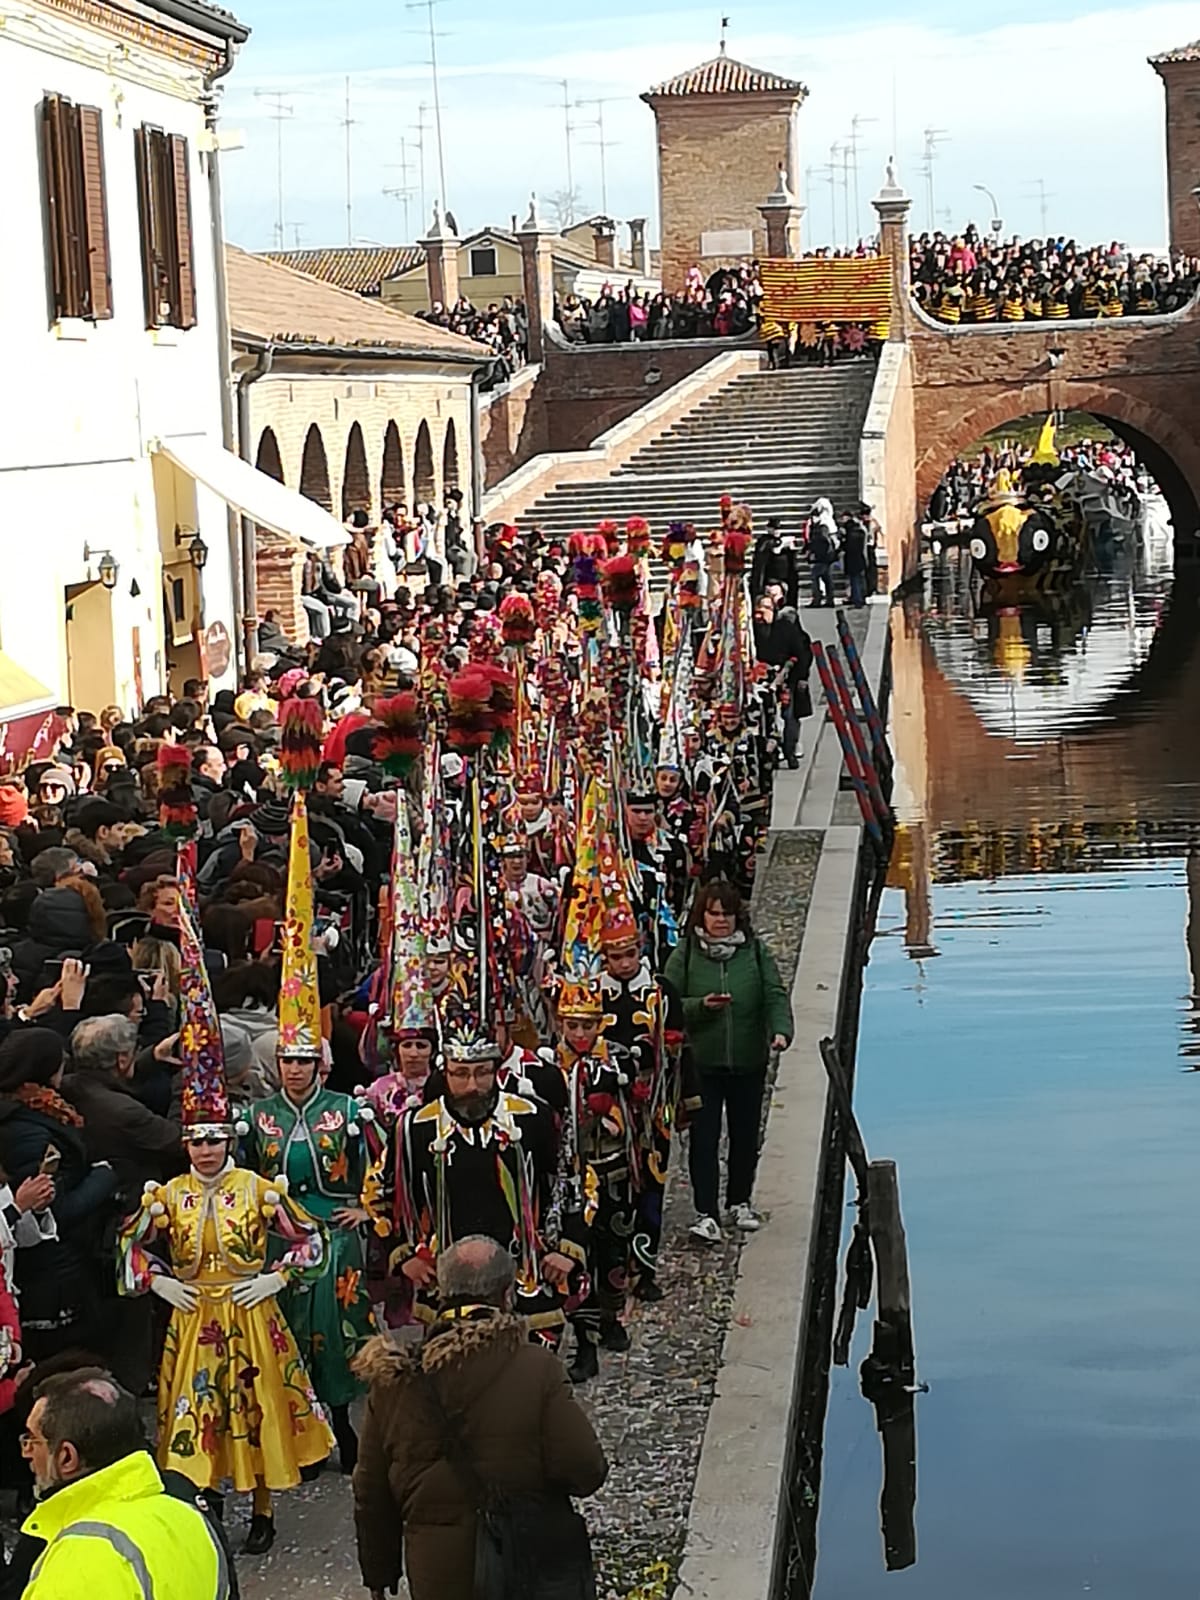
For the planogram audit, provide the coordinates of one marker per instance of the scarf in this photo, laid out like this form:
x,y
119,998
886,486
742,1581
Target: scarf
x,y
721,949
41,1097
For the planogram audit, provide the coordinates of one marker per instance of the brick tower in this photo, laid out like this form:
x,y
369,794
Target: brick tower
x,y
724,131
1180,73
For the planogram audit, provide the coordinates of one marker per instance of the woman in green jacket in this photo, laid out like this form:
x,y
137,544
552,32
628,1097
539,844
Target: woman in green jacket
x,y
736,1012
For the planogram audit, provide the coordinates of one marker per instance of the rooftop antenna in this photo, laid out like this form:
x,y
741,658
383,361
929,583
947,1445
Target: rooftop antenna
x,y
933,137
421,127
348,122
283,109
297,229
569,129
603,142
1043,195
428,7
830,170
853,146
402,191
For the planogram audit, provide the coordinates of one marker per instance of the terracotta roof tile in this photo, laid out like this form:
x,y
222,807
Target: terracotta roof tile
x,y
268,300
360,269
724,75
1185,52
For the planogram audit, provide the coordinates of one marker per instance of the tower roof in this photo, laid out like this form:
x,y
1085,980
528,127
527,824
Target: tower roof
x,y
724,75
1185,52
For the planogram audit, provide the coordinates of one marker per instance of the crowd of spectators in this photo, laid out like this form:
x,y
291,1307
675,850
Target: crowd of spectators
x,y
503,327
724,306
968,479
974,278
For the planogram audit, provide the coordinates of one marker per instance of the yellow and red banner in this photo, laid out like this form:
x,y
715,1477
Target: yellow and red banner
x,y
853,289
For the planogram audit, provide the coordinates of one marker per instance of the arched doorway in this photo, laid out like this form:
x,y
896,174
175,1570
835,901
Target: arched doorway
x,y
268,459
424,481
356,479
391,479
450,458
314,470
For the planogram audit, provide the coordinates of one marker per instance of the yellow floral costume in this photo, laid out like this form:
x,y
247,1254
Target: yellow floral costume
x,y
234,1397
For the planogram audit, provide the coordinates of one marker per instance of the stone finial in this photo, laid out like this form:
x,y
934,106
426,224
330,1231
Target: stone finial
x,y
781,195
892,191
533,222
439,228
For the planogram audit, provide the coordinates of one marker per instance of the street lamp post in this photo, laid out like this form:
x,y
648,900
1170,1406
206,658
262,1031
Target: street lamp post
x,y
997,220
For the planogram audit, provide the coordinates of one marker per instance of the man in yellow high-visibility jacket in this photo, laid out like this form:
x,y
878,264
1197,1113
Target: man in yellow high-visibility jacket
x,y
111,1529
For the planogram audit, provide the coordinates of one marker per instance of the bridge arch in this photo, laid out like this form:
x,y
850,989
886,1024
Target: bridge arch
x,y
1169,451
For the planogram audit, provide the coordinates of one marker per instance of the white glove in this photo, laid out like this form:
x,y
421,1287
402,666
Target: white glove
x,y
180,1295
253,1291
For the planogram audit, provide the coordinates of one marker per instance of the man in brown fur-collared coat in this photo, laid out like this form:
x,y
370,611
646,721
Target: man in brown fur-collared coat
x,y
510,1404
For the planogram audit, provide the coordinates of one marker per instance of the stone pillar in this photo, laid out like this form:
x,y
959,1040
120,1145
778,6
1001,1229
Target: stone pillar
x,y
537,271
604,233
781,215
637,246
441,262
892,206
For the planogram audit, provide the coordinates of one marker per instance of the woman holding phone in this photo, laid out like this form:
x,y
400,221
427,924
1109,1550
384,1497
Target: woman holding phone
x,y
737,1013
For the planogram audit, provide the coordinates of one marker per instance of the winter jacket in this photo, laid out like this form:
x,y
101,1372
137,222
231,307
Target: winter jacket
x,y
55,1277
737,1037
124,1132
520,1425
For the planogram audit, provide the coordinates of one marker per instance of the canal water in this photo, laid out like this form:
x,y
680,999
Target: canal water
x,y
1029,1055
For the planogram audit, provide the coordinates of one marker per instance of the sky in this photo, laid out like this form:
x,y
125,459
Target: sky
x,y
1055,101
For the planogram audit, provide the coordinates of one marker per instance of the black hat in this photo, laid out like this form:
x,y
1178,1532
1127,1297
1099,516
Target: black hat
x,y
774,522
641,800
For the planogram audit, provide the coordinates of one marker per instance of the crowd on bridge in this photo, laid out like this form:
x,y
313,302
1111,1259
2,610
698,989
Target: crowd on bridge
x,y
503,326
376,993
725,305
972,277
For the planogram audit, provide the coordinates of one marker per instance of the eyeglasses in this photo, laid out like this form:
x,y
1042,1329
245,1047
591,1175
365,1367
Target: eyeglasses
x,y
480,1074
28,1440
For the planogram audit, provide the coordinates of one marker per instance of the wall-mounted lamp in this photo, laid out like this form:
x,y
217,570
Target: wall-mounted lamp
x,y
198,553
110,569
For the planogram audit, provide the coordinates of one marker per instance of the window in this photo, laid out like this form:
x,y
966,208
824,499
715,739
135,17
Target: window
x,y
76,209
165,213
483,261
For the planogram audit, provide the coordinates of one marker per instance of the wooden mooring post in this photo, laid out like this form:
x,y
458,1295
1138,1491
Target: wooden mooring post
x,y
888,1373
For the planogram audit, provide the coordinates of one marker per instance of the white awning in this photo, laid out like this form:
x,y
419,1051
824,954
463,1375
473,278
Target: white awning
x,y
256,494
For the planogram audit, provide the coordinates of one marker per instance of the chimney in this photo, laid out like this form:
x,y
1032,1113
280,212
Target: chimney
x,y
604,232
514,223
637,246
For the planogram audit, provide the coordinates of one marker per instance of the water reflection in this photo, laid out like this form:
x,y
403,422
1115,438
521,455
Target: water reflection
x,y
1030,1000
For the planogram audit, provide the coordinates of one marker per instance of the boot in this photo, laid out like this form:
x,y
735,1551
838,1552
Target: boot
x,y
261,1536
615,1337
586,1363
649,1290
347,1439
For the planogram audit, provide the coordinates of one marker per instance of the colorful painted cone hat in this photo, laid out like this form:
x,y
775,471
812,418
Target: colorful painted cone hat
x,y
411,1007
205,1096
299,998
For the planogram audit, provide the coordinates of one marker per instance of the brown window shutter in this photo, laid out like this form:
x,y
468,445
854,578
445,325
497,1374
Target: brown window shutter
x,y
73,212
95,211
142,164
184,298
52,177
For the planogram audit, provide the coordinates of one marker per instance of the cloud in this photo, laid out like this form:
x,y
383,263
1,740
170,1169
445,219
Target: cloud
x,y
1069,102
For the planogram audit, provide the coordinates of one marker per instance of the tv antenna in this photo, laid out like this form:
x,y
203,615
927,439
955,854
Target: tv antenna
x,y
282,110
428,7
601,140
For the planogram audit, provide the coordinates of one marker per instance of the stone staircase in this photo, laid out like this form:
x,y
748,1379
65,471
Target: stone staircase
x,y
775,440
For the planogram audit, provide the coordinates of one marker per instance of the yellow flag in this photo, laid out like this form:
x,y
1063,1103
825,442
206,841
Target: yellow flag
x,y
1045,455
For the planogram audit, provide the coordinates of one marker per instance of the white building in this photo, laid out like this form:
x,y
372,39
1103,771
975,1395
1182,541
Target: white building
x,y
116,346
